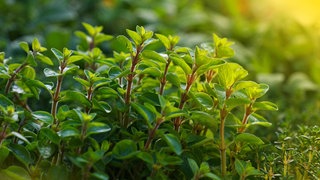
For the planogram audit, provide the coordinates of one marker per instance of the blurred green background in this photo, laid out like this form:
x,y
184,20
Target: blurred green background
x,y
277,47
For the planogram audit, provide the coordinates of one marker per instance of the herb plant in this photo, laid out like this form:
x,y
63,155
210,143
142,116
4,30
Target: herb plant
x,y
152,110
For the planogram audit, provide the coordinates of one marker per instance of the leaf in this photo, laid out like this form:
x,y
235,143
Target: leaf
x,y
265,105
50,73
47,150
25,46
181,62
205,119
153,71
256,119
58,54
146,157
124,149
230,73
173,142
5,102
252,89
153,55
245,169
20,136
4,152
36,45
101,38
236,102
43,116
164,40
134,36
193,165
75,97
44,59
203,99
126,42
57,172
73,59
68,131
82,81
148,115
97,127
101,105
50,134
28,72
21,153
14,173
247,138
90,29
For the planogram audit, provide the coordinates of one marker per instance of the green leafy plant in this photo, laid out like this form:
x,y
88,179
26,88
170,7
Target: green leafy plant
x,y
152,109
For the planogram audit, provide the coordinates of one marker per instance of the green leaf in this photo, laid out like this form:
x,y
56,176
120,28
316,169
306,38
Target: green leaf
x,y
44,59
101,105
90,29
205,119
36,45
58,54
153,71
70,68
101,38
164,40
146,157
47,150
193,166
181,62
126,42
247,138
124,149
252,89
73,59
25,46
245,169
57,172
230,73
256,119
20,136
146,113
173,142
5,102
134,36
43,116
201,57
236,102
97,127
28,72
82,82
50,73
75,97
49,134
21,153
4,152
265,105
68,131
153,55
173,79
14,173
203,99
222,47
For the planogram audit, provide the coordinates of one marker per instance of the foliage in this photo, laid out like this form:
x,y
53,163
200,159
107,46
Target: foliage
x,y
152,110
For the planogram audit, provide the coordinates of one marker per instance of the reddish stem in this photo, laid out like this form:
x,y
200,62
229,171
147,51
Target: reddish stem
x,y
13,77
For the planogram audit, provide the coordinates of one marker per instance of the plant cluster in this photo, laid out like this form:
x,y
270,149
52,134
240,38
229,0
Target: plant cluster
x,y
152,109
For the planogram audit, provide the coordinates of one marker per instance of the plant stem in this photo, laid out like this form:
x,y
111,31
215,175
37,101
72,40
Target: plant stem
x,y
223,115
248,111
13,77
152,133
89,97
135,60
163,80
184,97
3,133
55,98
223,156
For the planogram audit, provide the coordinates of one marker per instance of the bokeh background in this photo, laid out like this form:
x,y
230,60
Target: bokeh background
x,y
277,41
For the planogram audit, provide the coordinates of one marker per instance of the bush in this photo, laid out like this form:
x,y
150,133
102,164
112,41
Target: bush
x,y
152,110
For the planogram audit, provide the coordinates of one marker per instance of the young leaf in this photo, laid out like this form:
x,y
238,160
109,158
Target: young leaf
x,y
265,105
97,127
135,37
25,46
164,40
58,54
230,73
44,59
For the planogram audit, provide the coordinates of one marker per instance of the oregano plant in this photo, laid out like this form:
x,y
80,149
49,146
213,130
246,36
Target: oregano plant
x,y
149,110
